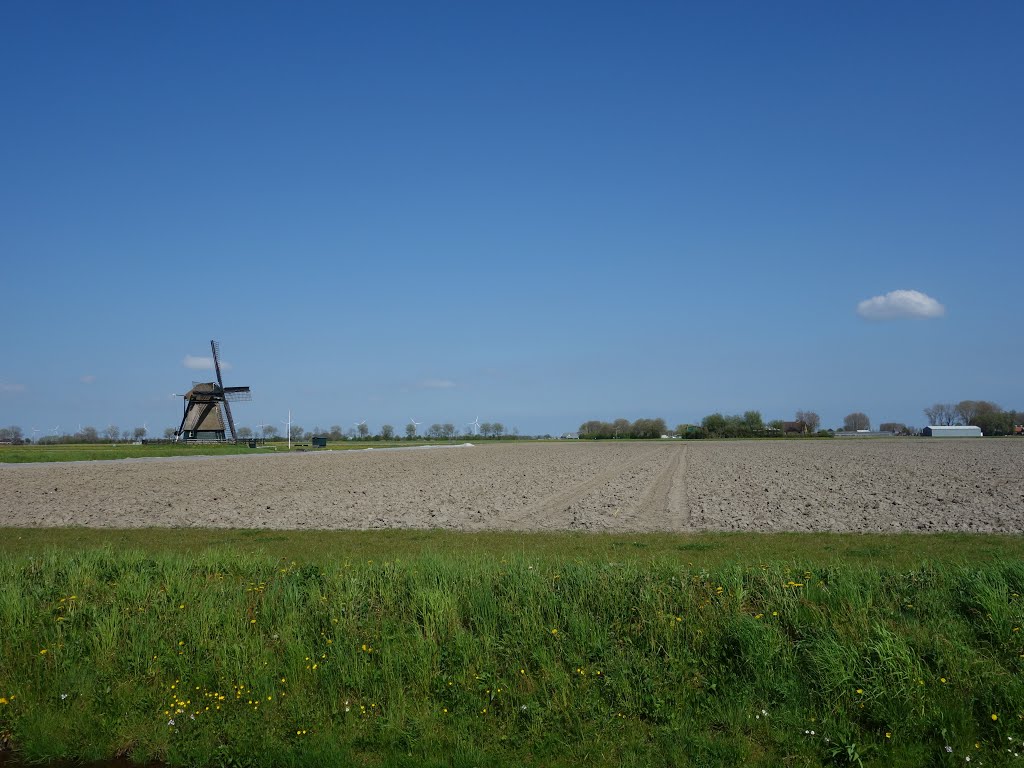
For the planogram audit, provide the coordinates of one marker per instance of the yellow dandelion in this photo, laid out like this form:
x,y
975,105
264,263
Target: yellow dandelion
x,y
888,735
43,652
860,690
554,631
995,716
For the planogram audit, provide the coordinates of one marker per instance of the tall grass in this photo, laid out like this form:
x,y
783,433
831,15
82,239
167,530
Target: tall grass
x,y
221,658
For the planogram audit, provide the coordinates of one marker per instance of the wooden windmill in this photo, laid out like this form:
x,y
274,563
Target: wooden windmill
x,y
207,407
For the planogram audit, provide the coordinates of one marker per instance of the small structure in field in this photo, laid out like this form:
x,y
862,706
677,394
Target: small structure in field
x,y
957,431
794,428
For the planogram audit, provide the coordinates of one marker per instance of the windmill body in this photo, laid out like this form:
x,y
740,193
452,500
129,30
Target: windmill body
x,y
207,409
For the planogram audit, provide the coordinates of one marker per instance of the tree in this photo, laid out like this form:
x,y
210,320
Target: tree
x,y
448,430
387,431
296,432
336,433
498,429
811,419
991,419
364,430
112,431
777,425
621,428
269,430
434,431
714,424
941,415
138,433
855,421
967,410
592,430
485,429
753,422
895,427
645,429
410,431
244,433
168,433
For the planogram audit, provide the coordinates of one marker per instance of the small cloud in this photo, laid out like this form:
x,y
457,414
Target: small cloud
x,y
9,387
436,384
88,379
896,304
199,363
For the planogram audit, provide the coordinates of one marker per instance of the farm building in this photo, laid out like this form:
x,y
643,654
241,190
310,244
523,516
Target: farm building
x,y
936,431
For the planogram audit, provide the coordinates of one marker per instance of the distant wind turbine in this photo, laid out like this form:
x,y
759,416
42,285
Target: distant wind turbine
x,y
289,423
475,425
415,425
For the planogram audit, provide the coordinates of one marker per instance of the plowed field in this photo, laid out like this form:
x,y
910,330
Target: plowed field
x,y
794,485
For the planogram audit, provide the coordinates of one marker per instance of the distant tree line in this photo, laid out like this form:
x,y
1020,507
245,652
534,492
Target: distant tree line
x,y
989,417
623,428
110,434
750,424
387,432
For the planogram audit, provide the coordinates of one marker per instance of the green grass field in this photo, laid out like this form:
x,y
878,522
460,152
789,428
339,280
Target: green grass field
x,y
236,648
17,454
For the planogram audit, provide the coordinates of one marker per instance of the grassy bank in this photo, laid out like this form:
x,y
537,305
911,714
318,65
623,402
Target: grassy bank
x,y
217,657
702,550
23,454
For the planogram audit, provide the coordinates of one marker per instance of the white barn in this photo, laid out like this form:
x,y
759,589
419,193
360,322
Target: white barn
x,y
936,431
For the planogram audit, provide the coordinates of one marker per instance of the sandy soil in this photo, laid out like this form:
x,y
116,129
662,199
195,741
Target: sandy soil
x,y
837,485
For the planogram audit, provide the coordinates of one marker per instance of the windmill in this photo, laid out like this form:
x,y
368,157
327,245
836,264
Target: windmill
x,y
359,424
207,404
415,425
474,426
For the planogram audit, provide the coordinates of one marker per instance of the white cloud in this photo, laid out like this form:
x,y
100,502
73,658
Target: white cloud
x,y
199,363
901,303
437,384
9,387
88,379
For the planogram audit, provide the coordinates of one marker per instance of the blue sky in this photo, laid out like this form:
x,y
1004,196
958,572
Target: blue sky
x,y
529,213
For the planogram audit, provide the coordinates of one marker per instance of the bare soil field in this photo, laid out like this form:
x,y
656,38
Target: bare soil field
x,y
794,485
